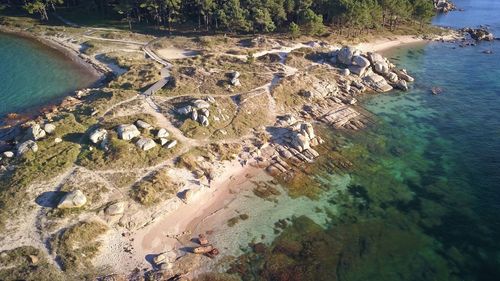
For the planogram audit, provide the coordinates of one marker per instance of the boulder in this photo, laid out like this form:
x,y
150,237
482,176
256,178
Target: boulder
x,y
235,82
26,146
345,72
402,85
143,125
35,132
162,133
203,120
165,258
210,99
199,104
392,77
194,115
58,140
98,135
8,154
73,199
115,209
381,68
128,132
235,74
377,83
346,54
402,74
360,61
185,110
145,144
376,58
171,144
300,142
308,129
49,128
205,112
163,141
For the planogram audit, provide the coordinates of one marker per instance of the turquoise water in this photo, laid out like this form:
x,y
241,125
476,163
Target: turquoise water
x,y
32,75
424,198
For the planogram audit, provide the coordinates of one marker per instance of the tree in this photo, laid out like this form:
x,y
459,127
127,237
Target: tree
x,y
294,30
124,7
313,22
423,11
40,7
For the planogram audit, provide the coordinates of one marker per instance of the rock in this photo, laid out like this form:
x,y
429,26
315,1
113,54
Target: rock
x,y
171,144
199,104
145,144
187,195
204,121
98,135
73,199
162,133
26,146
345,72
210,99
115,209
359,65
235,82
49,128
300,142
163,141
128,132
202,239
392,77
164,258
185,110
58,140
194,115
376,58
346,54
35,132
480,34
402,74
289,119
402,85
309,130
235,74
33,259
205,112
203,249
314,142
381,68
377,83
143,125
8,154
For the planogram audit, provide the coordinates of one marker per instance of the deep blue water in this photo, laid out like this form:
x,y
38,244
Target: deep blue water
x,y
32,74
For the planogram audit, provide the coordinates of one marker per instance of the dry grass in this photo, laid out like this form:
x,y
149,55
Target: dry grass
x,y
17,264
154,189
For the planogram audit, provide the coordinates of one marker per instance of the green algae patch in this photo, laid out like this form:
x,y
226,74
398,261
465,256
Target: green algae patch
x,y
27,263
77,245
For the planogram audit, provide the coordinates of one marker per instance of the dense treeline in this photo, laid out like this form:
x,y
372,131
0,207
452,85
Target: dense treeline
x,y
309,16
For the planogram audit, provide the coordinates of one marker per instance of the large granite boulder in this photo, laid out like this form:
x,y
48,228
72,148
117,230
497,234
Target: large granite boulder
x,y
26,146
8,154
145,144
49,128
162,133
359,65
402,74
194,115
402,85
199,104
377,83
203,120
73,199
128,132
346,54
35,132
98,135
143,125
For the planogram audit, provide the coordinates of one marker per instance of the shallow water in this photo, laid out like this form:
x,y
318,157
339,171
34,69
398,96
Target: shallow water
x,y
424,197
32,75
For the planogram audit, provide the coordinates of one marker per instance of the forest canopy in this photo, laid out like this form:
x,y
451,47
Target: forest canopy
x,y
242,16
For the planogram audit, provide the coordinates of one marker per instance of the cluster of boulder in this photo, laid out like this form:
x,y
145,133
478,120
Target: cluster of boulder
x,y
443,6
479,34
235,81
198,110
129,132
375,70
27,142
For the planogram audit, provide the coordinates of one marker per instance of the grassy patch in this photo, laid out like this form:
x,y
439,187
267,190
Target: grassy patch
x,y
154,189
77,246
27,263
233,221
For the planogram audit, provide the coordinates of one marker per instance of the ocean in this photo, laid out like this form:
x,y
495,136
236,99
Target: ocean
x,y
32,75
423,200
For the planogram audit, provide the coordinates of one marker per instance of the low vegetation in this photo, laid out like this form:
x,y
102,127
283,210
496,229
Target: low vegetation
x,y
27,263
154,189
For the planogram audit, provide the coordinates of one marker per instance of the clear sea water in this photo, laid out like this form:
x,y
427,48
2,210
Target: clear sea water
x,y
424,198
32,75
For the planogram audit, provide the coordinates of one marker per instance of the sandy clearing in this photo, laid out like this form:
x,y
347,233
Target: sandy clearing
x,y
173,53
384,44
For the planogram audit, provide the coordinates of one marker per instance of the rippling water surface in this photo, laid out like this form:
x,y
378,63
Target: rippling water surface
x,y
32,74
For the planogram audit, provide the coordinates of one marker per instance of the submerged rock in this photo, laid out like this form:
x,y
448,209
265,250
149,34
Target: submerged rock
x,y
73,199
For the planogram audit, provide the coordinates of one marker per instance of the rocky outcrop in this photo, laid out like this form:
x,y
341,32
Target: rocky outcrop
x,y
98,135
198,110
443,6
73,199
26,146
145,144
479,34
128,132
377,83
